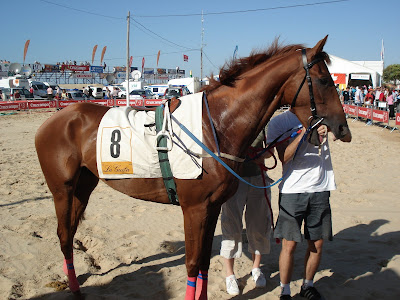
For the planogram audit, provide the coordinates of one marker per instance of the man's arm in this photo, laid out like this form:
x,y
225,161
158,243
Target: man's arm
x,y
286,150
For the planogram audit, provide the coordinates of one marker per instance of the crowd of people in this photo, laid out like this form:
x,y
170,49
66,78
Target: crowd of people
x,y
380,97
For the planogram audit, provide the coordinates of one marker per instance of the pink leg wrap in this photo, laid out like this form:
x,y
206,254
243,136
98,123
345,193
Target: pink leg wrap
x,y
190,288
69,270
202,281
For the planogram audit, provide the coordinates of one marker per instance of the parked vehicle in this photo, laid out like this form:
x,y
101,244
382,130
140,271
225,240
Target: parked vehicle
x,y
15,94
141,94
39,88
97,92
176,91
157,89
14,82
120,88
75,95
192,83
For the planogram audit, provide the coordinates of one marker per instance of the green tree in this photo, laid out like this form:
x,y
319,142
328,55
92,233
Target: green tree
x,y
391,73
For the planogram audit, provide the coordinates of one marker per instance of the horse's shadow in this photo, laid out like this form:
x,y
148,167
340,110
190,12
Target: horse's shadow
x,y
356,262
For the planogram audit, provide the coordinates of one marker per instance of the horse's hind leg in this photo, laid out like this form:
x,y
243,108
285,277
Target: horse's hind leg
x,y
71,199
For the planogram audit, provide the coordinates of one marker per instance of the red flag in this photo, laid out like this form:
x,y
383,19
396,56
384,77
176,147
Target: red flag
x,y
185,57
26,48
158,57
102,54
130,61
94,53
142,64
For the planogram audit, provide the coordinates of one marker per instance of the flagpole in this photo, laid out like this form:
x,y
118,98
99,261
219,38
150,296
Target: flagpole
x,y
127,59
201,51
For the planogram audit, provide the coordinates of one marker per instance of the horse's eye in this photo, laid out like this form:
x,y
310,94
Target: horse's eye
x,y
323,81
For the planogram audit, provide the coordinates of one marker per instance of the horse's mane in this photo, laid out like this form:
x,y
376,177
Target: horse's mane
x,y
231,71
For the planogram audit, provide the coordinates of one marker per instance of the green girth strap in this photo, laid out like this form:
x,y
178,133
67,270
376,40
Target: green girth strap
x,y
164,161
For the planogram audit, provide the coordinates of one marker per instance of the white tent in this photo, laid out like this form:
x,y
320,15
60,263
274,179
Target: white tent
x,y
356,71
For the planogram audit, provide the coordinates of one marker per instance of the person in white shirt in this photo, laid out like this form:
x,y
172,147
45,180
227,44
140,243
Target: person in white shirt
x,y
304,195
358,96
49,93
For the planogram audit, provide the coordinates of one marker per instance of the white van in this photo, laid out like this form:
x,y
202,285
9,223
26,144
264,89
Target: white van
x,y
157,89
97,92
14,82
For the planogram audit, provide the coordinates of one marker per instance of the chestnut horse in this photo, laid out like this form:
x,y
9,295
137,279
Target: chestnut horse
x,y
250,90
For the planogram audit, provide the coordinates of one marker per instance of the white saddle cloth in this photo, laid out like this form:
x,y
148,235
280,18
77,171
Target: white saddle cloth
x,y
126,137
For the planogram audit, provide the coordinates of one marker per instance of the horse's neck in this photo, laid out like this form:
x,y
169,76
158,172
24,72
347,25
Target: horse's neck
x,y
249,105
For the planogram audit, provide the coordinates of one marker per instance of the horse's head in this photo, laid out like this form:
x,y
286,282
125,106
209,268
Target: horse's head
x,y
315,100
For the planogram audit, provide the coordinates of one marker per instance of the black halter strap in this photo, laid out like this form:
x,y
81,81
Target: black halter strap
x,y
307,66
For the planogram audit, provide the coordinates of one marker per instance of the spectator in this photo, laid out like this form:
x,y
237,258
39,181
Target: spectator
x,y
31,92
114,93
358,96
17,95
64,95
108,93
49,93
346,95
86,93
369,98
390,102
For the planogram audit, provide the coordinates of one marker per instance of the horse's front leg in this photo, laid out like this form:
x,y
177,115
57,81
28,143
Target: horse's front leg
x,y
199,222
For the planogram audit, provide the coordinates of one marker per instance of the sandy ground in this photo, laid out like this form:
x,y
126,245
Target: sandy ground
x,y
131,249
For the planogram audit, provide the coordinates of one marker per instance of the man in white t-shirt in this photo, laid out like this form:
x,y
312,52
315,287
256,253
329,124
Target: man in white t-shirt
x,y
358,96
304,194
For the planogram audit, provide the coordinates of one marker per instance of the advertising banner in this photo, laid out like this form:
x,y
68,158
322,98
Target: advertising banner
x,y
380,115
397,118
352,110
75,68
83,76
96,69
42,104
364,112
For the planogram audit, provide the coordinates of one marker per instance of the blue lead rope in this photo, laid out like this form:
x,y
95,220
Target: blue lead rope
x,y
204,147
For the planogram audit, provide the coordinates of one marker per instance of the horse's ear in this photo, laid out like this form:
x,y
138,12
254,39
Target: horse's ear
x,y
320,45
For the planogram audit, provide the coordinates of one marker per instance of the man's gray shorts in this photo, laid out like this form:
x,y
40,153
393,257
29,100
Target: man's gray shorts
x,y
313,208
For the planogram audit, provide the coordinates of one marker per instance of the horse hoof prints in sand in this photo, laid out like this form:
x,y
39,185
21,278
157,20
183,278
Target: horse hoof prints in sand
x,y
250,90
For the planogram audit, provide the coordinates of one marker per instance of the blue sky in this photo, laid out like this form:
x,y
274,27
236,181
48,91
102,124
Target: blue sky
x,y
61,30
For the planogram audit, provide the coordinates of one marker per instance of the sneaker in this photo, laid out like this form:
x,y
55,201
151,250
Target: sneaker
x,y
258,278
232,287
285,297
310,293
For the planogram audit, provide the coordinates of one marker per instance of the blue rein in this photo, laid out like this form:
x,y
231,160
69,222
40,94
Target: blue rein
x,y
204,147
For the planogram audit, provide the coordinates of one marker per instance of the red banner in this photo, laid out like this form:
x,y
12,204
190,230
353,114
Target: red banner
x,y
380,115
397,118
9,106
364,112
350,109
42,104
75,68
